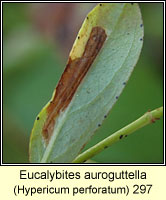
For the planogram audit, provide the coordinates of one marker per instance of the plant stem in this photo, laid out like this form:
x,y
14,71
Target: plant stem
x,y
148,118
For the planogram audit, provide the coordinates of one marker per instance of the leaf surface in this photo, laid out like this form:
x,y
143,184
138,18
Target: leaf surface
x,y
103,56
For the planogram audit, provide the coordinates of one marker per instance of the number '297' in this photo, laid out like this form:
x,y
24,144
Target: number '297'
x,y
142,189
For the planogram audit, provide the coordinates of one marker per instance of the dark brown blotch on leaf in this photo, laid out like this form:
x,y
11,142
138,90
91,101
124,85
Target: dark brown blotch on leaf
x,y
71,78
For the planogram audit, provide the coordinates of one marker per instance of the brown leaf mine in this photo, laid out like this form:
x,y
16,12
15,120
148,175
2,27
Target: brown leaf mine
x,y
71,78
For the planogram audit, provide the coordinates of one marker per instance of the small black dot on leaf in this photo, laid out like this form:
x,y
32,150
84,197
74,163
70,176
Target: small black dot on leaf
x,y
121,136
100,4
141,39
141,25
117,97
38,118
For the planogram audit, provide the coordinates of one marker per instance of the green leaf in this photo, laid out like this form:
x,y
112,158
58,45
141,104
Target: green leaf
x,y
105,52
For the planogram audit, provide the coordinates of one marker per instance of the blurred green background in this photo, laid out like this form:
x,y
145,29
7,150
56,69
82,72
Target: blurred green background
x,y
37,38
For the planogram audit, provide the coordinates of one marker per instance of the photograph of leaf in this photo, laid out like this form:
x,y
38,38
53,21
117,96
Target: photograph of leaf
x,y
87,118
